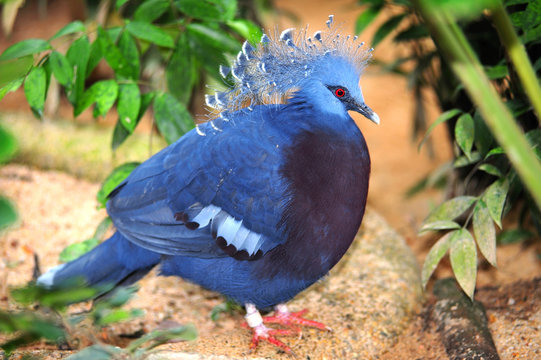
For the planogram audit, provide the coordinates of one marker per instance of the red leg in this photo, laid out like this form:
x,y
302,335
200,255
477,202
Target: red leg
x,y
283,317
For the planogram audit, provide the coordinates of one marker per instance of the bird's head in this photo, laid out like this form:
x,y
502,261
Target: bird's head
x,y
324,69
334,88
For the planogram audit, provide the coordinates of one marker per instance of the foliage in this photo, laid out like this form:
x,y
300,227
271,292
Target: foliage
x,y
8,147
51,323
491,179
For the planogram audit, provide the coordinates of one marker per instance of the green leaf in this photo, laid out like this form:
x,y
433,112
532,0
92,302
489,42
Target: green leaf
x,y
213,10
496,151
490,169
180,71
150,33
117,176
439,225
214,38
450,209
120,134
15,69
247,29
484,231
119,3
146,99
8,145
448,115
494,197
434,256
103,93
78,55
100,351
95,56
513,236
24,48
128,49
8,214
75,250
496,72
366,18
465,161
118,315
387,27
150,10
172,117
35,89
464,133
129,102
61,68
463,256
464,10
414,32
186,333
118,297
113,56
71,28
10,87
484,139
102,228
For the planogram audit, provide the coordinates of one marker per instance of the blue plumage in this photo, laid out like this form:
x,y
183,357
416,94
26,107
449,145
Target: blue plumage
x,y
260,202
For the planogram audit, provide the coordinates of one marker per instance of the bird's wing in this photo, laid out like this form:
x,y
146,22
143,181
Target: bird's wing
x,y
208,195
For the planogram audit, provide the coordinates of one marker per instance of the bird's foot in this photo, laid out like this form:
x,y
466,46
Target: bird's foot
x,y
294,320
261,332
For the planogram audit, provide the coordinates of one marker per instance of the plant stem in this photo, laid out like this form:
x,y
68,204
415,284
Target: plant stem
x,y
458,53
518,56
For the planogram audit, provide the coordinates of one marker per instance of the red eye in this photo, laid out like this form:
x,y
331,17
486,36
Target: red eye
x,y
339,92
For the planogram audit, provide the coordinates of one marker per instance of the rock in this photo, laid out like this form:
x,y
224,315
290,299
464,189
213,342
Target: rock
x,y
368,299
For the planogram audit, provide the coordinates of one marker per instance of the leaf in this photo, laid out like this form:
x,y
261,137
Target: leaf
x,y
172,117
119,3
386,28
435,255
484,231
113,56
94,57
484,139
8,145
71,28
247,29
463,256
490,169
180,71
96,352
10,87
496,151
448,115
213,10
129,102
24,48
103,93
35,88
61,68
120,134
186,333
494,197
15,69
102,228
464,133
117,176
214,38
130,52
75,250
450,209
367,17
513,236
414,32
150,33
439,225
496,72
150,10
463,10
118,315
8,214
465,161
78,55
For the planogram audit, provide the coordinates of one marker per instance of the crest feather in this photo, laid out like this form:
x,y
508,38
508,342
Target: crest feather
x,y
278,65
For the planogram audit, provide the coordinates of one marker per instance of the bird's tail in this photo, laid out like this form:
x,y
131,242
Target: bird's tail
x,y
115,262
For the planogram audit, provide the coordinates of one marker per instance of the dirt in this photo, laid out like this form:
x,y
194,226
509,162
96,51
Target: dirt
x,y
510,293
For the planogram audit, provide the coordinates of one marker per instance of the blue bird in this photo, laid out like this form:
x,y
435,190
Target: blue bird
x,y
261,201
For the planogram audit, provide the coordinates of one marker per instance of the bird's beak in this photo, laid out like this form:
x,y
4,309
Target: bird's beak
x,y
367,113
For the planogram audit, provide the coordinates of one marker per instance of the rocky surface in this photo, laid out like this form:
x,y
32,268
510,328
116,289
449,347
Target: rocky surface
x,y
368,299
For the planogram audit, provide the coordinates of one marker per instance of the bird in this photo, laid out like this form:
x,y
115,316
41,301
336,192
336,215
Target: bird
x,y
261,200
